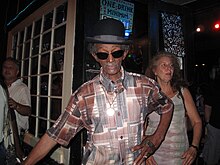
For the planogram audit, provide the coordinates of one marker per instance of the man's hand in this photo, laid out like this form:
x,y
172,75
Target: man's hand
x,y
12,104
150,161
24,110
147,148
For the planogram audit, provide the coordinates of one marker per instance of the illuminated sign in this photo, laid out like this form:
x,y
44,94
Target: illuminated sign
x,y
120,10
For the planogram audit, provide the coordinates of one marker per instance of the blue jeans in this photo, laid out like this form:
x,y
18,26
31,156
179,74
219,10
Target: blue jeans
x,y
2,153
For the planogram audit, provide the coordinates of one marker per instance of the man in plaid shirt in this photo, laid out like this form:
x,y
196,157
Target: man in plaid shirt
x,y
113,107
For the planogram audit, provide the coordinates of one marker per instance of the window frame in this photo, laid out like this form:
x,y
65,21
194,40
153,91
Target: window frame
x,y
61,154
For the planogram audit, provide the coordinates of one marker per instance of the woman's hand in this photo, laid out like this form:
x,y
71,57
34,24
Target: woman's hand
x,y
189,156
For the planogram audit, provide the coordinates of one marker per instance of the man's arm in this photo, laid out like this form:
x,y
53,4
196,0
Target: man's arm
x,y
166,112
40,150
151,142
21,109
160,133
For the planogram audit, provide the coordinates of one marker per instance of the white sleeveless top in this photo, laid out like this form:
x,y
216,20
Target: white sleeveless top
x,y
176,140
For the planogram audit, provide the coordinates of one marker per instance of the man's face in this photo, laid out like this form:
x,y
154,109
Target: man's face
x,y
110,62
9,70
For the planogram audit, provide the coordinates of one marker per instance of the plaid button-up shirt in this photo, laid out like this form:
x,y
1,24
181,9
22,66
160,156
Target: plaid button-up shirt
x,y
113,114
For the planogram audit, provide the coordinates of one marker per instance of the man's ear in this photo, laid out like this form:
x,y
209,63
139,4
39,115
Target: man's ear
x,y
154,72
17,72
95,57
125,54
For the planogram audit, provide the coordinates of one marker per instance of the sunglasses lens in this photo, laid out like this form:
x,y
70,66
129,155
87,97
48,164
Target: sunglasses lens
x,y
104,56
118,54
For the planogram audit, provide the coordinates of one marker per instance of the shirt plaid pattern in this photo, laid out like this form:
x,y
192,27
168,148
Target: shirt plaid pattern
x,y
110,137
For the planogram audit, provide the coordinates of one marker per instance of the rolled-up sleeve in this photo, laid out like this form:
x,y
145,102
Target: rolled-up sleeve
x,y
67,125
158,101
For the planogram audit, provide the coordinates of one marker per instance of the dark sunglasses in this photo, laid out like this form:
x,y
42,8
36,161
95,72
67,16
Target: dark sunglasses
x,y
104,56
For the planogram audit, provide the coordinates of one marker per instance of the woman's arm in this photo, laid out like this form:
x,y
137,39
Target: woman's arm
x,y
193,116
208,111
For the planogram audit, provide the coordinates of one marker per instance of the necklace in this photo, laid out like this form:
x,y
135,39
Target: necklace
x,y
110,111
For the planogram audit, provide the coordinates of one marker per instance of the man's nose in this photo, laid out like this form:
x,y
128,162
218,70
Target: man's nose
x,y
110,57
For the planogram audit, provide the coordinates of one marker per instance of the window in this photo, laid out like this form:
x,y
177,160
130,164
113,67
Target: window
x,y
40,48
39,43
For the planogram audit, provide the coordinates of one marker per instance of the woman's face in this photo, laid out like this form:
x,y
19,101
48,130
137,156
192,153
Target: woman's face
x,y
164,70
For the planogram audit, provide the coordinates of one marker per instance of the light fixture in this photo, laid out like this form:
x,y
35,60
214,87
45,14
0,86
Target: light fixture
x,y
200,28
217,26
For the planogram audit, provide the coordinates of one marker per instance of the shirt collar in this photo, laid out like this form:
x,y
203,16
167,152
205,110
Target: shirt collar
x,y
111,86
18,81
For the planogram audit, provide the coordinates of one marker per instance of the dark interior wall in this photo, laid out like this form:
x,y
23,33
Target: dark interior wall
x,y
140,32
153,27
189,44
7,12
91,17
205,43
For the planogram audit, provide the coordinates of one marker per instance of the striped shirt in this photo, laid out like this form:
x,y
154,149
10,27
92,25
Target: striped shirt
x,y
3,111
113,114
20,93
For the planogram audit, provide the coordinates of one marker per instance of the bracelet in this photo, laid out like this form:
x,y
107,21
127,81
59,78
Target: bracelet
x,y
197,149
151,145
